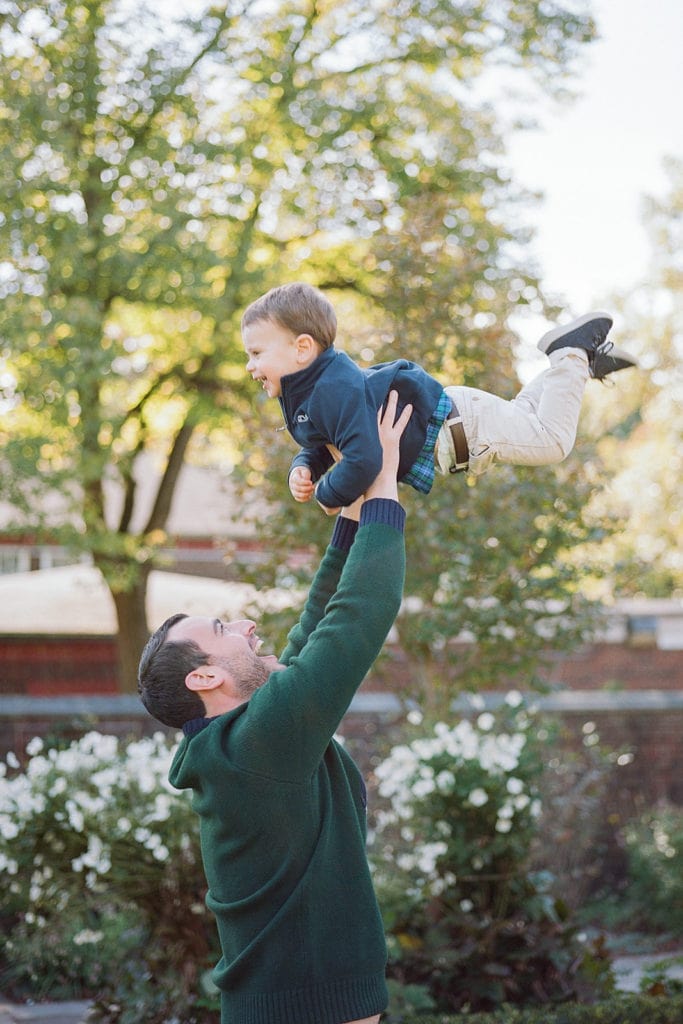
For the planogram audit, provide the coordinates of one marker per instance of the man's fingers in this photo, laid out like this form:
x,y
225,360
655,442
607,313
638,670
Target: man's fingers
x,y
402,421
388,412
387,418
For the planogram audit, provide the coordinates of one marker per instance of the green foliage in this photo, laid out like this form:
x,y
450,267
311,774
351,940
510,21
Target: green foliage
x,y
468,919
621,1009
651,895
583,804
104,886
659,979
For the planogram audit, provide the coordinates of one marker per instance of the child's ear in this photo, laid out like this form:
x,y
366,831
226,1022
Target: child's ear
x,y
307,348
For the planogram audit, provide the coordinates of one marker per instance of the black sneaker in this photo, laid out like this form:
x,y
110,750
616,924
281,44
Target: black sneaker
x,y
587,332
608,359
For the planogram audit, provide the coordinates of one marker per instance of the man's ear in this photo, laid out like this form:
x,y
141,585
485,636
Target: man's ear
x,y
307,348
206,677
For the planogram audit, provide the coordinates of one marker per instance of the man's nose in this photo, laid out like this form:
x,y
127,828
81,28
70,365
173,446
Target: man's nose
x,y
245,627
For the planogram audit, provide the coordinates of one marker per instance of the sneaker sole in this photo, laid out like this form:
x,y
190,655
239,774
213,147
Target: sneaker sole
x,y
559,332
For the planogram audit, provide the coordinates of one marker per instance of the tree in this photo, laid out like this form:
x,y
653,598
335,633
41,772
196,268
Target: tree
x,y
643,435
158,174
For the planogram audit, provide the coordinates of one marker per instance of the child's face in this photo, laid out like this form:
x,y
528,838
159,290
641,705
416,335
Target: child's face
x,y
272,353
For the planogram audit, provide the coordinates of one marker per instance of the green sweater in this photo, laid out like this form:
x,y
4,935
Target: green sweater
x,y
282,805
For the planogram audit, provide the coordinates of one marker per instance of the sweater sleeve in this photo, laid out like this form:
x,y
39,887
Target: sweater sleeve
x,y
292,718
323,587
318,460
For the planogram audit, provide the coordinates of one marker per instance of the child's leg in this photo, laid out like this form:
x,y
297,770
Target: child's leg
x,y
536,428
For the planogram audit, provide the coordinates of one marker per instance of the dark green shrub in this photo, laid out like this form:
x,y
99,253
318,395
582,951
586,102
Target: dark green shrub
x,y
623,1009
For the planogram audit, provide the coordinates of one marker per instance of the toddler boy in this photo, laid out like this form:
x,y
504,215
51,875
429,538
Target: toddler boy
x,y
330,404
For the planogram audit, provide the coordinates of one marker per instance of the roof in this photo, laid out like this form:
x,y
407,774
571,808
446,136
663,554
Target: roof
x,y
74,600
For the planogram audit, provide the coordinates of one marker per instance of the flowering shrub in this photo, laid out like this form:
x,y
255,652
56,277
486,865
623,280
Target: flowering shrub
x,y
103,888
466,917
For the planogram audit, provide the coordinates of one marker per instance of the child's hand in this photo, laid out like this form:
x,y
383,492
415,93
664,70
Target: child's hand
x,y
300,483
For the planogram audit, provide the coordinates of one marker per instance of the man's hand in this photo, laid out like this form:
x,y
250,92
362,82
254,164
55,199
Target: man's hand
x,y
300,483
390,431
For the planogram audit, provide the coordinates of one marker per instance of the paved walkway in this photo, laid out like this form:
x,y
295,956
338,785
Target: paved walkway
x,y
43,1013
628,971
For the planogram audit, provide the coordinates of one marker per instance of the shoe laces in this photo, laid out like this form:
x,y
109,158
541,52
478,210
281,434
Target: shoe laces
x,y
603,349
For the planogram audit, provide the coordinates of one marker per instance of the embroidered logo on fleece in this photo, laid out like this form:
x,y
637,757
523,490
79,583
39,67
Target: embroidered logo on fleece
x,y
302,418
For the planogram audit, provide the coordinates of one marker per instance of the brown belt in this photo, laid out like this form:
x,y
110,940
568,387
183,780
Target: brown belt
x,y
462,452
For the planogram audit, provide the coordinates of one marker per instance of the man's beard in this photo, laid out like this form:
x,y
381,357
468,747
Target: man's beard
x,y
249,673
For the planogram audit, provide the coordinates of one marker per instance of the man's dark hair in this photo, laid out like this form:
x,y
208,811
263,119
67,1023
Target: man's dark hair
x,y
161,676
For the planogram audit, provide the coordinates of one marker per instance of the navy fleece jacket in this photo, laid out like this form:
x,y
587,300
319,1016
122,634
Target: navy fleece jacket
x,y
334,401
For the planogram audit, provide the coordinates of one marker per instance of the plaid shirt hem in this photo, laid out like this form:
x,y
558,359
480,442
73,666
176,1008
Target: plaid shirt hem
x,y
421,473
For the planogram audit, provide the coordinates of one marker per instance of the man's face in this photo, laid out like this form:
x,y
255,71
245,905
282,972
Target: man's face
x,y
271,354
233,645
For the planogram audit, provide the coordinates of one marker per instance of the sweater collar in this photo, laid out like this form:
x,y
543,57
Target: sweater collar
x,y
194,726
295,385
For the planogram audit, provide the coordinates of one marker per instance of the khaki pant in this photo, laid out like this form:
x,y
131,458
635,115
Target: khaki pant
x,y
536,428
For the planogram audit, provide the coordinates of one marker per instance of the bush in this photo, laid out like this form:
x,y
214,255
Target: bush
x,y
654,850
104,886
647,894
617,1010
467,920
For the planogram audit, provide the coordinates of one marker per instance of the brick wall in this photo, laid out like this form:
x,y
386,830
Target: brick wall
x,y
646,717
45,665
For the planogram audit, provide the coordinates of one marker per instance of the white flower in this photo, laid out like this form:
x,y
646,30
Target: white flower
x,y
12,759
466,906
513,698
414,717
10,866
503,825
478,797
514,786
427,856
476,701
87,937
486,721
445,781
406,861
423,787
34,746
8,828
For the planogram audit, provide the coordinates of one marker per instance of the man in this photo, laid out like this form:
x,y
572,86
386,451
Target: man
x,y
281,804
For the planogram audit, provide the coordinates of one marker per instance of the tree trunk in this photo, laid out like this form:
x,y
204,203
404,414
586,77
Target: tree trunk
x,y
132,632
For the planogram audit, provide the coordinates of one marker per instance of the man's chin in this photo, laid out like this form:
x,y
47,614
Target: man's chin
x,y
271,662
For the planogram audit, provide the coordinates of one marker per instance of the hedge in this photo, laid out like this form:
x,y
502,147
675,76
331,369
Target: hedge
x,y
621,1009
